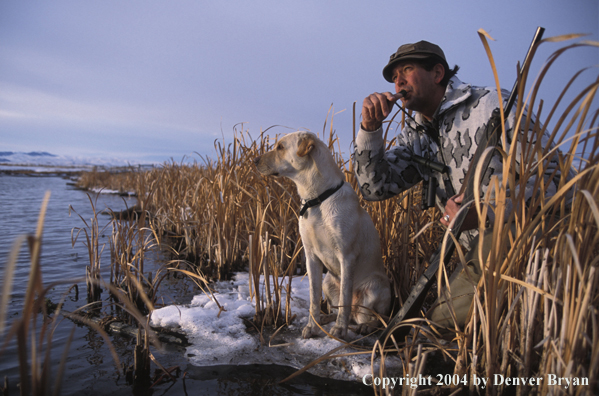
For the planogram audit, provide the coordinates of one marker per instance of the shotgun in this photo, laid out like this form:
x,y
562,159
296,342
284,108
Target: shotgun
x,y
490,138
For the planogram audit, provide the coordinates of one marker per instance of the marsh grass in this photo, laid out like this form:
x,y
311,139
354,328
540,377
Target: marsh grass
x,y
536,307
120,179
132,292
91,232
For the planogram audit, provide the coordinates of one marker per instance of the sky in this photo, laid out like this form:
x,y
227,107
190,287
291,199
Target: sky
x,y
154,81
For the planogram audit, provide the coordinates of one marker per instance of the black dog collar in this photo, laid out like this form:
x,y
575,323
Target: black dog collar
x,y
320,199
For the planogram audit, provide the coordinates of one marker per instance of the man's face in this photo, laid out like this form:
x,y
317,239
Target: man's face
x,y
421,86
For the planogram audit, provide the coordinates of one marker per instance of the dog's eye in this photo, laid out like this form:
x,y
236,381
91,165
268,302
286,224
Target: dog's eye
x,y
280,146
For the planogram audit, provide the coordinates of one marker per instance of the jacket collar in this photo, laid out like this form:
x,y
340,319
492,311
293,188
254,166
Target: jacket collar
x,y
455,93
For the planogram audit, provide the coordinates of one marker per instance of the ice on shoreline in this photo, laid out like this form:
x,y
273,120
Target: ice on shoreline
x,y
218,339
97,190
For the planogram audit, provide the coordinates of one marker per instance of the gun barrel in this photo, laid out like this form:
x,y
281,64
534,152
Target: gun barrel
x,y
436,166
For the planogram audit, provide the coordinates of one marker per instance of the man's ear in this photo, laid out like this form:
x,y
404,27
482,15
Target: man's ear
x,y
305,146
439,73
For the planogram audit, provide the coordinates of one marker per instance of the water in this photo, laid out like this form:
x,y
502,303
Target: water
x,y
90,369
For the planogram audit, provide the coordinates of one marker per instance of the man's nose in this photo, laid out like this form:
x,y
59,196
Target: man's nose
x,y
399,84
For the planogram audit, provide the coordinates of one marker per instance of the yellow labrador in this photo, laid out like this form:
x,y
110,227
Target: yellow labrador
x,y
336,232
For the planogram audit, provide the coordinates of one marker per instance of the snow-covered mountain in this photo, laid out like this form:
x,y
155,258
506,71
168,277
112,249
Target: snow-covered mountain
x,y
42,158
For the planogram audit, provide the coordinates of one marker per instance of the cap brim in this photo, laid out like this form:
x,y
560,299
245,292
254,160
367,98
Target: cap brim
x,y
388,70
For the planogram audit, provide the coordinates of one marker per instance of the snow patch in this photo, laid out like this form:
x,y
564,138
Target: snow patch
x,y
219,337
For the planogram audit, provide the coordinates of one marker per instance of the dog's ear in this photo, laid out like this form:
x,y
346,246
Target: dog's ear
x,y
305,146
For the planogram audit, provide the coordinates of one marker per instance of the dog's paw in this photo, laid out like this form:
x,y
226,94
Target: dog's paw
x,y
339,332
310,331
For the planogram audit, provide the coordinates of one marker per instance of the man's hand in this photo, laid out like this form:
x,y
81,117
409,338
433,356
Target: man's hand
x,y
451,209
376,108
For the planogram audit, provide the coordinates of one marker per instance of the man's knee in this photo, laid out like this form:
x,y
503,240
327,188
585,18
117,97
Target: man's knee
x,y
461,290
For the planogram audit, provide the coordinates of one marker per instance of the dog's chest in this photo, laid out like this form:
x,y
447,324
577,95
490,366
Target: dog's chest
x,y
322,238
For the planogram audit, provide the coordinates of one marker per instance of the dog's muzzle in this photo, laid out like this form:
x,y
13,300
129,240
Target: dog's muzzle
x,y
262,169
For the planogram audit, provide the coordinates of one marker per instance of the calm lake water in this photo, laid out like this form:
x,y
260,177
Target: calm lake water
x,y
90,369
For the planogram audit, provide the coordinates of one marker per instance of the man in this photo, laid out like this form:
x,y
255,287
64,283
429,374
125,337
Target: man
x,y
450,116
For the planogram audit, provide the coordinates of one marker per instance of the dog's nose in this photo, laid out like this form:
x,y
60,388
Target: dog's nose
x,y
257,160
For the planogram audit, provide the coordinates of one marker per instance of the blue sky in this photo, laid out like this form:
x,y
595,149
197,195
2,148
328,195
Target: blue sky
x,y
148,81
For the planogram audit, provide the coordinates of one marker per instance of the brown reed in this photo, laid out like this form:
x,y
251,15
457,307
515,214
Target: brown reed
x,y
132,292
92,231
120,179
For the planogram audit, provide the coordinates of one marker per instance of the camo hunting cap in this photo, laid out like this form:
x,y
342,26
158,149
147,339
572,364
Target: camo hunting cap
x,y
420,50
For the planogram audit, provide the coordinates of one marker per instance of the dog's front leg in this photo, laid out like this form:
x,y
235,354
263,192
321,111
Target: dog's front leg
x,y
345,300
314,267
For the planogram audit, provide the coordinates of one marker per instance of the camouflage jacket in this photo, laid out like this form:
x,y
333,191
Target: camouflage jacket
x,y
460,121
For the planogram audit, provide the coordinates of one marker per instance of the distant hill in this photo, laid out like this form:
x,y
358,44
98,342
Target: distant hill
x,y
43,158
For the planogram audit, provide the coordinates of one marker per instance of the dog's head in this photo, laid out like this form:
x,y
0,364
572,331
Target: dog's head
x,y
290,155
